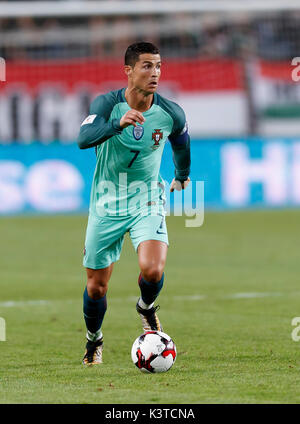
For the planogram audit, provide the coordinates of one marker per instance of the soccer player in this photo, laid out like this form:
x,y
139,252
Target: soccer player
x,y
129,128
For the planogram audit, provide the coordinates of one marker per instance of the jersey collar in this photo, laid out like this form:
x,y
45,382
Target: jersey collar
x,y
155,98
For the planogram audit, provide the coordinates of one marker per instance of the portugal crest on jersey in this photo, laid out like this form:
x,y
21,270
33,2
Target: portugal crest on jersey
x,y
138,132
157,135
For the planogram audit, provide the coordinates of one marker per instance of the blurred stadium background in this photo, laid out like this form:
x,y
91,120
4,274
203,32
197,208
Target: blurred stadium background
x,y
232,285
227,63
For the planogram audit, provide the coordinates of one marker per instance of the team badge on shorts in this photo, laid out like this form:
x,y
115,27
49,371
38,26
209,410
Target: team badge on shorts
x,y
157,135
138,132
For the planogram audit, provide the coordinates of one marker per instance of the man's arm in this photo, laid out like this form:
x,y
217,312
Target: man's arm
x,y
97,128
180,142
181,157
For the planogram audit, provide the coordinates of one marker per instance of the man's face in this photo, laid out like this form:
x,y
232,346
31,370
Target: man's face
x,y
146,72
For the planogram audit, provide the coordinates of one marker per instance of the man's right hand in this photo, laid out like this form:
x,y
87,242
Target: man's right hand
x,y
131,118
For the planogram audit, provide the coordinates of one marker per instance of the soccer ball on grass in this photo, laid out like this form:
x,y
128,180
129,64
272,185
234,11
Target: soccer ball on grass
x,y
153,351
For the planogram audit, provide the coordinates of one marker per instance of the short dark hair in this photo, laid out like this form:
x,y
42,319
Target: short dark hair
x,y
134,50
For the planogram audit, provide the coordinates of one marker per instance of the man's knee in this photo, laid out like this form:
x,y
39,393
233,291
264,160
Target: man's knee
x,y
96,287
152,273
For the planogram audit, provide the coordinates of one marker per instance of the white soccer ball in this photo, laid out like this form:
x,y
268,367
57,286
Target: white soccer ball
x,y
153,351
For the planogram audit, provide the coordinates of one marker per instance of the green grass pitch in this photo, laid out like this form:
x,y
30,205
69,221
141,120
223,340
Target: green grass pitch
x,y
230,294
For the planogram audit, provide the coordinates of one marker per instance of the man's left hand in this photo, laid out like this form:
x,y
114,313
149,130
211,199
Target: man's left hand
x,y
178,185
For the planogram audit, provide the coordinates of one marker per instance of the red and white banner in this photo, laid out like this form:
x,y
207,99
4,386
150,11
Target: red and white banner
x,y
277,98
48,100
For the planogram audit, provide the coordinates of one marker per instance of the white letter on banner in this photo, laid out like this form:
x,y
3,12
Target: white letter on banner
x,y
59,114
238,171
295,173
5,117
54,186
24,106
11,194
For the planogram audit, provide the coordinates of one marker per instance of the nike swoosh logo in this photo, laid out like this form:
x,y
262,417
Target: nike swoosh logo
x,y
161,226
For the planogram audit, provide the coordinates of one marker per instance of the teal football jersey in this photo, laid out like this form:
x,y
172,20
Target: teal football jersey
x,y
127,180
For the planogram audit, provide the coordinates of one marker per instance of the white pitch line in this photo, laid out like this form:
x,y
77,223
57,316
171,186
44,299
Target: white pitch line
x,y
16,303
191,298
135,298
251,295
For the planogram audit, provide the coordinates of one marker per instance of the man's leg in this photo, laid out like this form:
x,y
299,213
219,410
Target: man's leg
x,y
94,308
103,244
152,255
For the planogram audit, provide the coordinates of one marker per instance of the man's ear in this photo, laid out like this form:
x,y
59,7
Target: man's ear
x,y
128,70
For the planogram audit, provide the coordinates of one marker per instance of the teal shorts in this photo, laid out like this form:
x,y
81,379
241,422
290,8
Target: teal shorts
x,y
105,236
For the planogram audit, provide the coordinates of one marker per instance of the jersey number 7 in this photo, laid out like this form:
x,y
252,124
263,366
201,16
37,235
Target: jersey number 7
x,y
136,153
